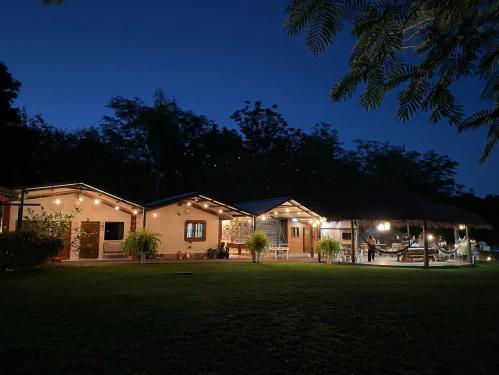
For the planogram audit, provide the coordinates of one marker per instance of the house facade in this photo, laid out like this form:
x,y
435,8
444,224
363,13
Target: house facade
x,y
188,224
102,219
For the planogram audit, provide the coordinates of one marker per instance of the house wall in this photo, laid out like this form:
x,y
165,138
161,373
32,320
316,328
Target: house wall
x,y
68,203
170,224
334,230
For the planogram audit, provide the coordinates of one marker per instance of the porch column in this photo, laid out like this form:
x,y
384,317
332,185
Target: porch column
x,y
253,255
352,230
20,209
425,238
144,218
468,243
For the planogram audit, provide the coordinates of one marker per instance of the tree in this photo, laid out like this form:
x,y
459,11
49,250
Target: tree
x,y
9,88
421,46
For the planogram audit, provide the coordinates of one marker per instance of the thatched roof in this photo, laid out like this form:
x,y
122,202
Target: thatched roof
x,y
388,203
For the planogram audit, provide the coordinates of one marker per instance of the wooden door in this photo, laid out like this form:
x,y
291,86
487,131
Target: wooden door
x,y
307,239
89,243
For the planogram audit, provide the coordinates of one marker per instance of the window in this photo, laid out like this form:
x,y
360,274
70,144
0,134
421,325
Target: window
x,y
346,236
195,230
295,232
113,231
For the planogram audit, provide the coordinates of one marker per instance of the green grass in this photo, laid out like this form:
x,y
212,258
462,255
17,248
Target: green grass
x,y
242,318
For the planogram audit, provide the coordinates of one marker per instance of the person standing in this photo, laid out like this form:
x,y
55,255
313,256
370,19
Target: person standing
x,y
371,248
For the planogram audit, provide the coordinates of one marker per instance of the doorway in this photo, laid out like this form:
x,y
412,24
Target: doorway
x,y
89,244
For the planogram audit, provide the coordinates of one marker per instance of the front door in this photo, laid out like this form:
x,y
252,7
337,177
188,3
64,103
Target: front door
x,y
307,239
89,243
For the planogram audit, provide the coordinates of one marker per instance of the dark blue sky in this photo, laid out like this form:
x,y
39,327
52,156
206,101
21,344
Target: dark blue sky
x,y
211,56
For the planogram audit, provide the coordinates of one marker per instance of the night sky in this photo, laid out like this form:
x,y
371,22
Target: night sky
x,y
210,56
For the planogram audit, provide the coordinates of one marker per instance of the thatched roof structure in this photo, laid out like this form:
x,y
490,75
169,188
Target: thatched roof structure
x,y
396,205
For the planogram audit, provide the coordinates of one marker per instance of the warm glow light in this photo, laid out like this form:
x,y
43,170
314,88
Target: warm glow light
x,y
295,219
96,201
80,199
57,201
155,215
462,227
314,225
116,208
205,205
310,221
275,212
264,217
249,220
135,212
383,227
189,203
489,259
430,236
220,211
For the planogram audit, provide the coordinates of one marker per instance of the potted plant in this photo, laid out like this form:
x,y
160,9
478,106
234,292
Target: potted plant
x,y
330,247
258,242
143,242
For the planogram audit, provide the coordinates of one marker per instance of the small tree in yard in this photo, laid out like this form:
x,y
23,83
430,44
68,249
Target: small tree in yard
x,y
258,242
55,225
142,241
330,247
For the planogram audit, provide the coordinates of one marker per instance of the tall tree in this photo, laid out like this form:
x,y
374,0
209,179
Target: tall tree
x,y
9,89
422,47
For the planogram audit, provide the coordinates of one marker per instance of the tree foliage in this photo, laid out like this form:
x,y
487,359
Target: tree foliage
x,y
421,47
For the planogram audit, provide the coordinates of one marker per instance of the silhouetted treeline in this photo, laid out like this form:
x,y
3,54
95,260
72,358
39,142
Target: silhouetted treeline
x,y
145,151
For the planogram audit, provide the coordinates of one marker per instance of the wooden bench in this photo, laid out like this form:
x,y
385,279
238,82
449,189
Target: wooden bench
x,y
113,249
417,255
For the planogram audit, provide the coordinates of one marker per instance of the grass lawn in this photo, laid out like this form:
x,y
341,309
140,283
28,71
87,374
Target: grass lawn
x,y
242,318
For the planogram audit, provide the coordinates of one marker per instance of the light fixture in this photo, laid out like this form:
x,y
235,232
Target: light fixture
x,y
205,205
220,211
155,215
462,227
310,221
189,203
314,225
80,199
430,237
116,208
295,220
249,220
96,201
275,212
383,227
57,201
287,209
135,212
489,259
264,217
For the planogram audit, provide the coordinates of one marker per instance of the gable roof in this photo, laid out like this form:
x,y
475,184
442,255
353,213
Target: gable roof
x,y
212,205
75,185
259,207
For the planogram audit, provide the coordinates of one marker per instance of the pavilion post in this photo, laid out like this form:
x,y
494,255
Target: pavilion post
x,y
20,213
143,218
253,255
468,245
352,229
425,238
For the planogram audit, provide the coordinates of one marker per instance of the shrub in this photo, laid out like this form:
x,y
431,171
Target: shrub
x,y
258,242
329,246
211,253
27,249
142,241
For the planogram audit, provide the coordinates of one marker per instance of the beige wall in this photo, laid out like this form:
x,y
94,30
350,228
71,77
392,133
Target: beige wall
x,y
170,222
68,203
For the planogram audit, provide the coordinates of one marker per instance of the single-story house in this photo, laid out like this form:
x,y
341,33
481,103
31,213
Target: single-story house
x,y
104,218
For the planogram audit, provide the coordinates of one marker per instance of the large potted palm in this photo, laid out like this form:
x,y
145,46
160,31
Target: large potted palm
x,y
142,241
258,242
329,247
